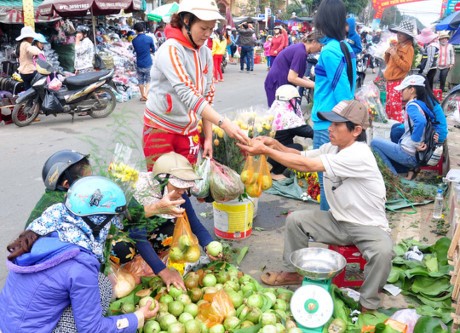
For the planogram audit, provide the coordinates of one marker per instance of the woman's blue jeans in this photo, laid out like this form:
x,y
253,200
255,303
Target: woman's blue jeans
x,y
391,152
319,138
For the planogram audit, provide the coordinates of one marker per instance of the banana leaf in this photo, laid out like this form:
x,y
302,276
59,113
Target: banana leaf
x,y
396,274
429,325
444,314
430,286
440,248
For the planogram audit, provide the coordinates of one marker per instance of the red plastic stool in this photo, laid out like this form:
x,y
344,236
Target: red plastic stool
x,y
352,255
438,94
437,167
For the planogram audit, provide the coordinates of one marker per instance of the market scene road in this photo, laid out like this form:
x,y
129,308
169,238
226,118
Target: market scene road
x,y
211,167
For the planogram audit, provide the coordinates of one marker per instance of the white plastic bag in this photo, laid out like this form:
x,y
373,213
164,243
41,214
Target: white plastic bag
x,y
408,317
201,188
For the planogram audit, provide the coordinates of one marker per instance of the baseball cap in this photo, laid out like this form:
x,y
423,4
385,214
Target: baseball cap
x,y
205,10
411,80
175,165
353,111
180,183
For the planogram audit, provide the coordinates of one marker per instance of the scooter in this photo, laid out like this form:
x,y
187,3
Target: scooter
x,y
361,67
86,92
451,103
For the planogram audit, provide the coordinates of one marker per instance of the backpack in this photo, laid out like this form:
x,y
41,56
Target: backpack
x,y
425,59
426,157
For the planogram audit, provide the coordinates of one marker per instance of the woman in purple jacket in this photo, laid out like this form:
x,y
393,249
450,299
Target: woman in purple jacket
x,y
55,263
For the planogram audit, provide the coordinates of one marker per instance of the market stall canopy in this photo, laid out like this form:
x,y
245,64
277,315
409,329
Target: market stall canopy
x,y
450,22
163,13
69,8
11,12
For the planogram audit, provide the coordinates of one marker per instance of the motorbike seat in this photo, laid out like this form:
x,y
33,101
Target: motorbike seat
x,y
85,79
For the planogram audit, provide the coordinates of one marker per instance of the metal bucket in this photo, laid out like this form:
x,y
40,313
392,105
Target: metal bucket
x,y
318,263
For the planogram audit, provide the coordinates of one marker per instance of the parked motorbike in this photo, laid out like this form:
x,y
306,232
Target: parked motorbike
x,y
451,103
86,92
361,67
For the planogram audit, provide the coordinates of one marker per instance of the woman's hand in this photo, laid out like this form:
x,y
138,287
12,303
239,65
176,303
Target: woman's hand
x,y
255,147
172,277
421,147
167,205
235,132
207,148
213,258
145,310
268,141
392,51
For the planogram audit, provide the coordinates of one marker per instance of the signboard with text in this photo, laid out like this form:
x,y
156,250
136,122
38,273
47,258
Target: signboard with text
x,y
28,9
452,6
381,5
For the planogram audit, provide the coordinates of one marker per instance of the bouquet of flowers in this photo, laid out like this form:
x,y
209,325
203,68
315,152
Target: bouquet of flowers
x,y
122,171
369,95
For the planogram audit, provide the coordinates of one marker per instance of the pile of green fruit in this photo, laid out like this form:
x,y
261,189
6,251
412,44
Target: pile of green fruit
x,y
255,308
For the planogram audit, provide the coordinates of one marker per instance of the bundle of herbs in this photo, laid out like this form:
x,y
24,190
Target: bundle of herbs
x,y
396,187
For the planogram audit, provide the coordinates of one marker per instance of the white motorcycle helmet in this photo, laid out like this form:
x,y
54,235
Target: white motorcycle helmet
x,y
286,92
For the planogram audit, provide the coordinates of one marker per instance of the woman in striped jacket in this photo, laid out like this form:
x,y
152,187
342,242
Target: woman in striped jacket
x,y
181,90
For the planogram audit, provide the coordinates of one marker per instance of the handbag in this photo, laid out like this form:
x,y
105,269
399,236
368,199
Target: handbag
x,y
98,63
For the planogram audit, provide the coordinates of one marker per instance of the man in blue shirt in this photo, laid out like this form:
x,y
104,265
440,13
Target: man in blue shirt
x,y
143,45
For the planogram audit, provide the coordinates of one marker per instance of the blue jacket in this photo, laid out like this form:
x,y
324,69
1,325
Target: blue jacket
x,y
353,38
143,44
331,81
42,283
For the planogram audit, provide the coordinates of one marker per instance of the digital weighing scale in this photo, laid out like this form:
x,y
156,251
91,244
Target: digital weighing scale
x,y
311,304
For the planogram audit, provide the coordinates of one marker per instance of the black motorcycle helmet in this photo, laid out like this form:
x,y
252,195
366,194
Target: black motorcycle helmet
x,y
57,165
83,29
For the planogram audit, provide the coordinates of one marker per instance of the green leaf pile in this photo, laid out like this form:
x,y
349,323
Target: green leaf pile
x,y
426,282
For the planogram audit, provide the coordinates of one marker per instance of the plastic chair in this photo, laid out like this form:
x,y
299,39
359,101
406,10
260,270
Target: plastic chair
x,y
353,256
437,167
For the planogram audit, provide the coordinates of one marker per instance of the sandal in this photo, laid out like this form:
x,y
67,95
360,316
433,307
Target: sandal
x,y
413,173
143,99
281,278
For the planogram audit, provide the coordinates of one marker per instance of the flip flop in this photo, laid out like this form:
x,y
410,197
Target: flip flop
x,y
279,278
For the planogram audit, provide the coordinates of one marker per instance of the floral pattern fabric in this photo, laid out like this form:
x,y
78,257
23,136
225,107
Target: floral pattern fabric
x,y
73,229
393,106
84,55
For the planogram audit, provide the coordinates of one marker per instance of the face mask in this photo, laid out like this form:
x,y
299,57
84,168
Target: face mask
x,y
443,42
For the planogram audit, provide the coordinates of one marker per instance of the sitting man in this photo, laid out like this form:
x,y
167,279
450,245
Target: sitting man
x,y
355,191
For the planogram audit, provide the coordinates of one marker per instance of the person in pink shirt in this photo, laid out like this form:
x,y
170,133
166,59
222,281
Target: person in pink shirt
x,y
446,58
267,46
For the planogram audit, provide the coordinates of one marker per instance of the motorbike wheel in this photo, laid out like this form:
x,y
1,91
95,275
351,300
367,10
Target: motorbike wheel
x,y
451,103
105,102
25,113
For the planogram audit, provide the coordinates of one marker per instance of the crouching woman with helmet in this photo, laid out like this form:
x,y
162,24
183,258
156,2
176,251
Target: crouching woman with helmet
x,y
55,263
171,179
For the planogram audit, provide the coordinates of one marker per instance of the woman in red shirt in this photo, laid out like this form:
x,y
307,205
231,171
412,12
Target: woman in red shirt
x,y
277,44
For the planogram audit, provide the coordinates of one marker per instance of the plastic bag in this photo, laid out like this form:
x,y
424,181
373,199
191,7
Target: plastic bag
x,y
256,176
369,95
123,282
225,183
55,84
51,103
201,188
216,308
184,244
408,317
138,268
